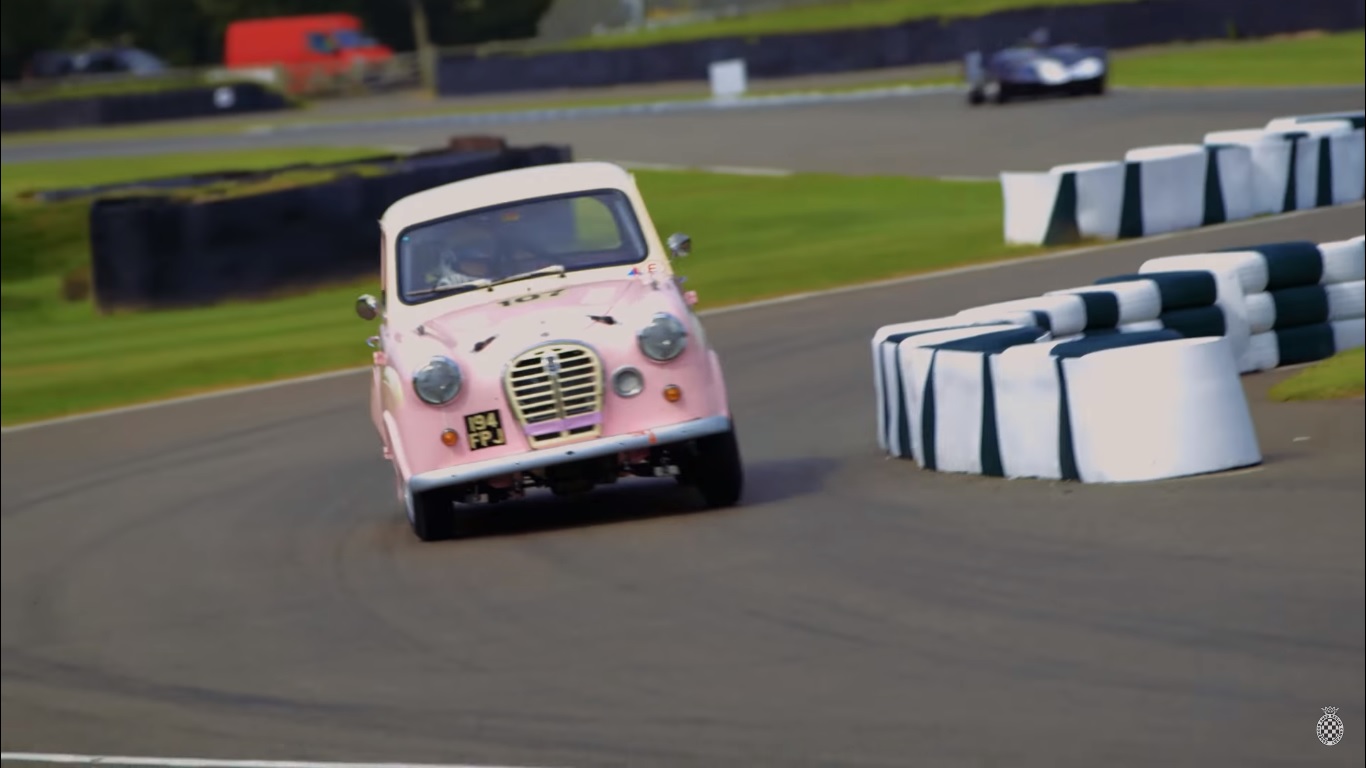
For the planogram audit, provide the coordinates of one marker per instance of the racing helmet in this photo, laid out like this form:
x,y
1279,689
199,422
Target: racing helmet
x,y
475,255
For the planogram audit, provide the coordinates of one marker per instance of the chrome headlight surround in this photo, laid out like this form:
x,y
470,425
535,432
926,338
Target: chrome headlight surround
x,y
439,381
628,381
664,338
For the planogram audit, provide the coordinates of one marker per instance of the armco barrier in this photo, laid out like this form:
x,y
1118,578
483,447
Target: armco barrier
x,y
1293,163
926,41
50,114
159,251
1133,378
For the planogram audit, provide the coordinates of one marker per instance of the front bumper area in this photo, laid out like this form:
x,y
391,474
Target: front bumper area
x,y
590,449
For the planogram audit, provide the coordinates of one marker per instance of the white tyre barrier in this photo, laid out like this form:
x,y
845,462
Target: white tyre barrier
x,y
1033,420
1357,118
1274,266
892,419
1064,203
1293,163
1344,261
1135,377
1269,154
1060,315
1305,305
1036,207
1324,169
956,405
917,392
1351,162
1099,197
1228,298
1164,190
1230,184
1118,304
1158,410
1307,343
1187,291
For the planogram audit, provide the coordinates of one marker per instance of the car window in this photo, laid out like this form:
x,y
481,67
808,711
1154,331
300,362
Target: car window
x,y
320,42
350,38
576,232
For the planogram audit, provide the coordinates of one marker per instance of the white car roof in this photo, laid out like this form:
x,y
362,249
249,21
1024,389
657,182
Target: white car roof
x,y
504,187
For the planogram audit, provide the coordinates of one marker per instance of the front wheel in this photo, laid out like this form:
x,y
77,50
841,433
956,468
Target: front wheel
x,y
714,467
433,515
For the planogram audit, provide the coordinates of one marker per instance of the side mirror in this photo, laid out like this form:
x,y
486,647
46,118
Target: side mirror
x,y
367,307
679,245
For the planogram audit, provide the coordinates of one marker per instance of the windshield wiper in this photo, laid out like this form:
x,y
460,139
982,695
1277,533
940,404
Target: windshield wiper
x,y
484,282
448,288
553,269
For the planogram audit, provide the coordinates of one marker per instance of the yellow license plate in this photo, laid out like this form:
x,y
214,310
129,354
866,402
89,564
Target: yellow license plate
x,y
484,430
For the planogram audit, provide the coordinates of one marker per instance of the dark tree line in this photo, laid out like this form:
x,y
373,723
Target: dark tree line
x,y
190,32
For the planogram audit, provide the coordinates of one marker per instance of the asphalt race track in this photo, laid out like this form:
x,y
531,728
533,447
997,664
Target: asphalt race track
x,y
923,135
231,578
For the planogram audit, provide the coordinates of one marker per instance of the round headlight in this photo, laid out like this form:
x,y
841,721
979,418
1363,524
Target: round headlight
x,y
664,338
438,382
1087,68
1051,71
628,382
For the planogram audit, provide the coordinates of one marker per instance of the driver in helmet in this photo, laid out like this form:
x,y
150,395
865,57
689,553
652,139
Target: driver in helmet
x,y
473,257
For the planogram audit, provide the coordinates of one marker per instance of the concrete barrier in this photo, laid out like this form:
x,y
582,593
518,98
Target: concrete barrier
x,y
1132,378
1292,163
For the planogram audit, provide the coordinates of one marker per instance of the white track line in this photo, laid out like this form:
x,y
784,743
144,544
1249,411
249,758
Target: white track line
x,y
795,297
194,762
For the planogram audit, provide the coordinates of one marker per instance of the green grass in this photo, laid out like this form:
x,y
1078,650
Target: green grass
x,y
1340,376
755,237
835,15
1318,59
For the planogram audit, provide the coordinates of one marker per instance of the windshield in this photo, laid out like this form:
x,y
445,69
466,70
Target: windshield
x,y
574,232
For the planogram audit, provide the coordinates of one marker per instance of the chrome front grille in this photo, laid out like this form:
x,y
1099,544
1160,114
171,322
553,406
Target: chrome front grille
x,y
556,393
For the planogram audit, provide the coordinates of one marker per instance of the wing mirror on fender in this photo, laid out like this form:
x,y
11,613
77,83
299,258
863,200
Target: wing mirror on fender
x,y
367,307
679,245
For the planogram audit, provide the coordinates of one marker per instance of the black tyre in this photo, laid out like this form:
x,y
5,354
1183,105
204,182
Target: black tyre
x,y
714,467
433,516
975,96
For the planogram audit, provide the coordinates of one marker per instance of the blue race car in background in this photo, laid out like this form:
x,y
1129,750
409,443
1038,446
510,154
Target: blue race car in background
x,y
1035,68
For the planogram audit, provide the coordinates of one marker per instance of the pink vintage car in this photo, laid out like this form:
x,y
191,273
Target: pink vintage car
x,y
533,334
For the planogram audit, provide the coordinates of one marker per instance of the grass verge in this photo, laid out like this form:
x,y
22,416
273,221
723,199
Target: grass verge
x,y
756,237
1295,60
812,18
1340,376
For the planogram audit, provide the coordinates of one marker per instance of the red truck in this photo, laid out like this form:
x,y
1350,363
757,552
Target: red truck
x,y
305,47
